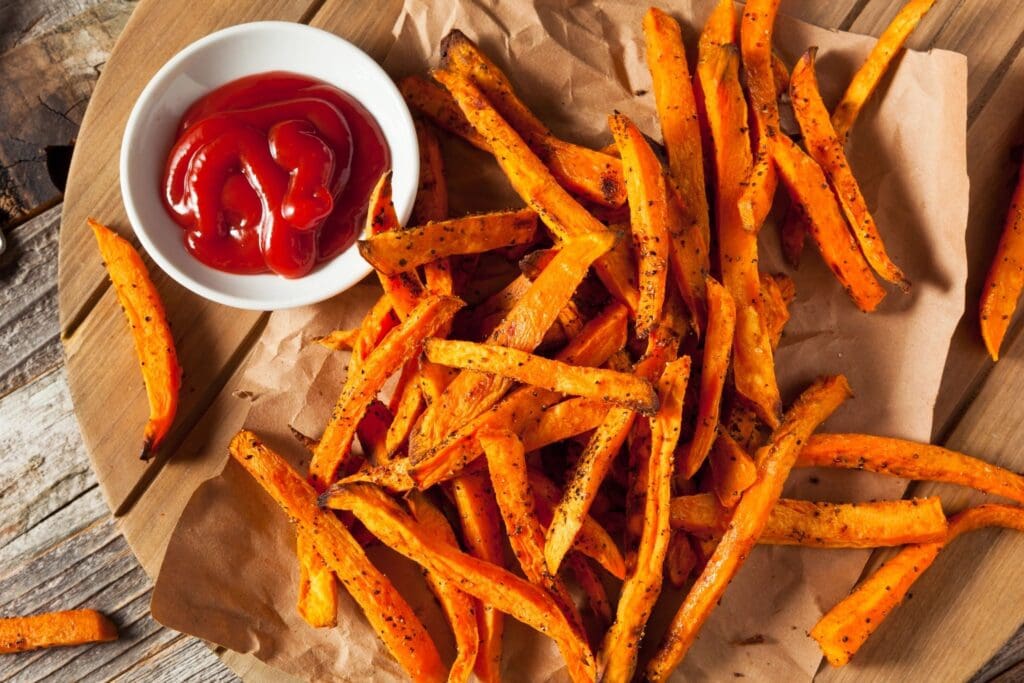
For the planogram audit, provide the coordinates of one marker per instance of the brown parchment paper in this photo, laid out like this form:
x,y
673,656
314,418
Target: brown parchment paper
x,y
229,574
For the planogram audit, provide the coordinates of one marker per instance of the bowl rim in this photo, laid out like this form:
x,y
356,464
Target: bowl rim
x,y
301,297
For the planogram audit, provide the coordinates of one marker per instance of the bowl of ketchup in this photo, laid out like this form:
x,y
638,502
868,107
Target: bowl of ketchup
x,y
248,162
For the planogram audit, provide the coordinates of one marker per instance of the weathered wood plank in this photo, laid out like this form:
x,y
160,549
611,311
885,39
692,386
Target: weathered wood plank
x,y
182,659
47,82
25,20
29,328
1002,665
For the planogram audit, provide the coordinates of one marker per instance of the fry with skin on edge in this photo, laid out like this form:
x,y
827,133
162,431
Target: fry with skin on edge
x,y
396,251
874,67
471,393
404,289
910,460
842,631
617,657
588,173
714,366
597,383
54,629
809,188
825,148
649,218
1005,278
758,20
506,462
459,608
532,181
732,470
154,344
389,614
774,462
875,524
753,364
489,583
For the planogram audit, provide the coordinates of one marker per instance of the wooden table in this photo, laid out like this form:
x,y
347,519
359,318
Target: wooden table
x,y
60,546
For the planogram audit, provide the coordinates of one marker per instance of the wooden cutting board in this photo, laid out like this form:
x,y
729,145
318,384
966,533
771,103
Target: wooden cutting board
x,y
972,591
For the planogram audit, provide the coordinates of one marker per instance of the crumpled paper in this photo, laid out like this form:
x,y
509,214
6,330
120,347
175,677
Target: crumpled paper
x,y
229,574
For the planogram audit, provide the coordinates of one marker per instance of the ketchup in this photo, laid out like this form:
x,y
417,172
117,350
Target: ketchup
x,y
273,172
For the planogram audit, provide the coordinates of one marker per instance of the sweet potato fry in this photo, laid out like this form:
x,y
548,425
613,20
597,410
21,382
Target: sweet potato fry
x,y
1005,278
753,365
809,188
680,560
341,340
394,252
54,629
372,432
910,460
720,28
432,204
408,408
562,421
756,26
590,174
871,71
460,609
649,218
592,587
732,470
154,344
471,393
530,178
389,614
404,289
617,657
793,234
429,98
377,322
597,383
506,462
777,292
317,593
774,462
822,525
780,72
677,113
715,364
842,631
827,150
487,582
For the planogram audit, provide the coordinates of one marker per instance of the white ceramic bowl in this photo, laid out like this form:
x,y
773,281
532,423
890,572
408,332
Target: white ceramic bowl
x,y
211,62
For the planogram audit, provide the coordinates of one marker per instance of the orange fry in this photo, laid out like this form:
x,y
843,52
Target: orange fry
x,y
429,98
54,629
487,582
1005,278
341,340
432,203
377,322
404,289
680,560
777,293
774,462
842,631
732,470
389,614
154,344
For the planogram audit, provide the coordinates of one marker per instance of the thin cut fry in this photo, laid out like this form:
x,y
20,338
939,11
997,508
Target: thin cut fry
x,y
407,410
460,609
822,525
871,71
642,587
649,218
1005,278
597,383
809,188
717,344
377,322
341,340
394,252
910,460
489,583
564,420
405,289
591,174
842,631
774,461
827,149
55,629
154,344
432,203
389,614
732,470
562,214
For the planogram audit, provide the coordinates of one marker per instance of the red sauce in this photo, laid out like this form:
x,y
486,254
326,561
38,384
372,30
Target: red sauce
x,y
273,172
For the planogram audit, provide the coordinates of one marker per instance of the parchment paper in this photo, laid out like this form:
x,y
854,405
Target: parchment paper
x,y
229,574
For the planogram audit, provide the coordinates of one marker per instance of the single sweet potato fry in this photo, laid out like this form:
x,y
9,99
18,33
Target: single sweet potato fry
x,y
341,340
429,98
826,148
561,421
842,631
386,610
910,460
809,188
408,408
432,203
777,292
680,560
405,289
376,324
489,583
732,470
396,251
597,383
1005,278
54,629
154,344
774,462
617,657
